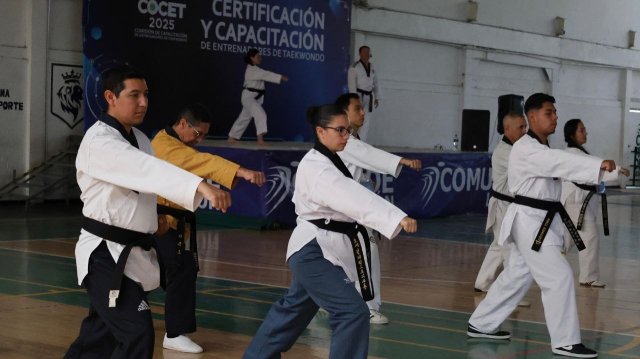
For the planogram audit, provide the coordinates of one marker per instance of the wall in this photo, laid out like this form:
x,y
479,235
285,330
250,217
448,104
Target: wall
x,y
432,64
35,35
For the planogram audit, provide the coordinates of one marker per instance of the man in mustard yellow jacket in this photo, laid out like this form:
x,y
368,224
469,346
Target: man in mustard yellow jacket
x,y
179,266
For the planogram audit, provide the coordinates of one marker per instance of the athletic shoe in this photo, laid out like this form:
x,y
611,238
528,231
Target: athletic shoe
x,y
575,351
594,284
375,317
475,333
181,343
524,303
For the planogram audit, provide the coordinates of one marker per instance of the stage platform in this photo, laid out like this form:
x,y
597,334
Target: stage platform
x,y
450,183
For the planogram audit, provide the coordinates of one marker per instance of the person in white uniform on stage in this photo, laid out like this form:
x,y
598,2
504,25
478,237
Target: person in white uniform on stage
x,y
253,97
359,156
119,179
534,224
363,80
515,126
583,208
328,251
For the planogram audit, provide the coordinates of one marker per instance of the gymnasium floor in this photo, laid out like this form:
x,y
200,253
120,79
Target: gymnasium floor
x,y
427,289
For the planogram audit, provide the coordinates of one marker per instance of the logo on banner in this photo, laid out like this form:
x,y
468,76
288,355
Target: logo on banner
x,y
450,179
162,21
67,93
279,182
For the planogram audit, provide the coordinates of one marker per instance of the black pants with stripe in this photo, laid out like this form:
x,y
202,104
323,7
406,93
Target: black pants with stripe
x,y
179,282
125,331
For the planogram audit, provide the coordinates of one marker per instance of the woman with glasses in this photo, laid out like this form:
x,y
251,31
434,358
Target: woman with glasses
x,y
253,96
583,208
327,251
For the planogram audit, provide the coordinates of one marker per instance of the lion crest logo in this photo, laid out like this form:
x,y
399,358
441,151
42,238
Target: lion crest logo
x,y
67,94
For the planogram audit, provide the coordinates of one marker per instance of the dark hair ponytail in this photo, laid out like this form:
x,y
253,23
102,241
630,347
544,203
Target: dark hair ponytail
x,y
251,53
570,129
320,116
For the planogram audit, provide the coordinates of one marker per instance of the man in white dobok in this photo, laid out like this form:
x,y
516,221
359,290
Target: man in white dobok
x,y
361,158
532,223
363,80
515,126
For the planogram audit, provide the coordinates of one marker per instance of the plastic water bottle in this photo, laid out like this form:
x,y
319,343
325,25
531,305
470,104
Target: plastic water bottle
x,y
455,142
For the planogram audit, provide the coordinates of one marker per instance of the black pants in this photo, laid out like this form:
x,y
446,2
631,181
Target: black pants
x,y
179,284
125,331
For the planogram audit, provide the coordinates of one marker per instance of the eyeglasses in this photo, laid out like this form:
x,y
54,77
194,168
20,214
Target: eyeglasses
x,y
195,131
341,130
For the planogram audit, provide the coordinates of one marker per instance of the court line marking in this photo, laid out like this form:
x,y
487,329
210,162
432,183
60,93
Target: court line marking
x,y
418,344
35,283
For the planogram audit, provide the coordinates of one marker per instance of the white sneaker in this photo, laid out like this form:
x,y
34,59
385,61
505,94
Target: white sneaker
x,y
181,343
594,284
524,303
375,317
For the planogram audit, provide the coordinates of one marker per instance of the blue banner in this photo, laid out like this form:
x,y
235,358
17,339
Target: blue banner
x,y
192,51
447,184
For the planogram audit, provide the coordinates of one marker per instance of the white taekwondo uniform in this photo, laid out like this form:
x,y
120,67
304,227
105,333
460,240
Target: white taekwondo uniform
x,y
366,86
535,172
252,99
322,191
572,199
358,155
118,184
322,260
109,172
497,255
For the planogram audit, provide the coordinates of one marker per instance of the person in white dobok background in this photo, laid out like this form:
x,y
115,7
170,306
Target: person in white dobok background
x,y
534,224
359,156
363,80
253,97
515,126
575,197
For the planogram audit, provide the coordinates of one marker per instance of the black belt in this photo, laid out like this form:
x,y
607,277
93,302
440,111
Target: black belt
x,y
183,216
364,93
500,196
127,238
351,229
552,208
260,93
605,213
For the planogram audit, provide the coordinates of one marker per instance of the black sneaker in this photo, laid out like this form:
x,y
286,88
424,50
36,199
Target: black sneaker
x,y
475,333
575,351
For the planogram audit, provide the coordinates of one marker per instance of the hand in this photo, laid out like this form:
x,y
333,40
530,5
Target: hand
x,y
625,171
219,199
250,176
409,225
411,163
376,103
163,225
283,78
608,165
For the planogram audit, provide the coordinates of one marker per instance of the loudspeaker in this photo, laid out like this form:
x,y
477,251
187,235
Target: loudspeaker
x,y
509,103
475,130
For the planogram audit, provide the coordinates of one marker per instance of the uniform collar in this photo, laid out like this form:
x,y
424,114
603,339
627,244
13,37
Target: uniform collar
x,y
171,132
506,140
367,68
333,157
532,134
111,121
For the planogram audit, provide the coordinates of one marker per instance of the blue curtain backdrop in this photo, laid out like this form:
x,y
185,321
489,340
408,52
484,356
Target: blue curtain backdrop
x,y
192,51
